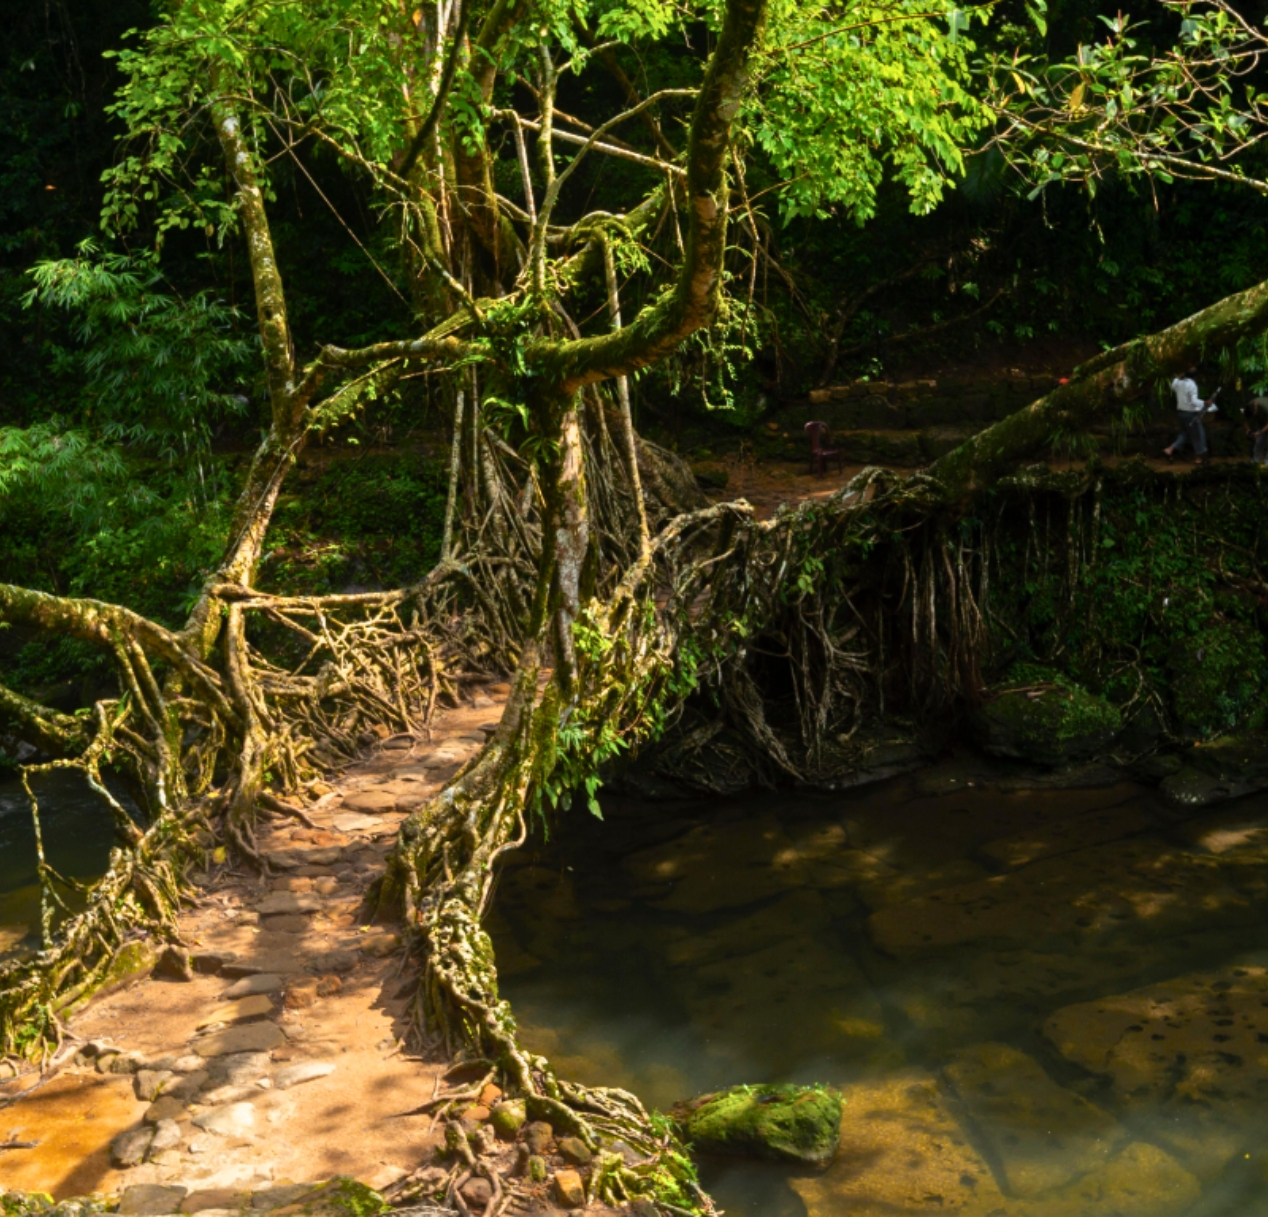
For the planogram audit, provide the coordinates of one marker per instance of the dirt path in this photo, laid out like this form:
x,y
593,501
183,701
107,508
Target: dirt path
x,y
281,1061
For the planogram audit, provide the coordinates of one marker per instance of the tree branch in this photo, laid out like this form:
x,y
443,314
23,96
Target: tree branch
x,y
694,300
1106,382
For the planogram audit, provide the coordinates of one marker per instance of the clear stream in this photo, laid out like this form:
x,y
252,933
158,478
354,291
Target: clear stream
x,y
1039,1002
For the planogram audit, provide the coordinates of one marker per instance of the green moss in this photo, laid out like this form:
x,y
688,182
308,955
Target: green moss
x,y
788,1123
1217,679
1038,714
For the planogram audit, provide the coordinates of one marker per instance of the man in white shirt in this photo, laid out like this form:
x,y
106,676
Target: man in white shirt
x,y
1190,409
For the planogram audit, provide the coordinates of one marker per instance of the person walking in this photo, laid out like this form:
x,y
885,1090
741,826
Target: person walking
x,y
1190,410
1255,420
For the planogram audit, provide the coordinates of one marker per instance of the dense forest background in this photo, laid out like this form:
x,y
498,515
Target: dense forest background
x,y
109,488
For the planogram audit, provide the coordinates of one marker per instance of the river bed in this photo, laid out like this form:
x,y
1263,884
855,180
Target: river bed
x,y
1036,1002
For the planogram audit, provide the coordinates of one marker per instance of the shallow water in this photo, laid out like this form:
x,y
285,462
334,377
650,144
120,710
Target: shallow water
x,y
1037,1003
78,834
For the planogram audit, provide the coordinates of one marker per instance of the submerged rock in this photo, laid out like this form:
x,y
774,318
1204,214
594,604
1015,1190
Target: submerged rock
x,y
788,1123
901,1152
1036,714
1041,1135
1187,1055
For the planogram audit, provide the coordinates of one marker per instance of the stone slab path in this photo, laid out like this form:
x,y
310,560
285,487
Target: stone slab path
x,y
282,1061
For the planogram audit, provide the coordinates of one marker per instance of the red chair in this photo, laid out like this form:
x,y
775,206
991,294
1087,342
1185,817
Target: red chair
x,y
819,453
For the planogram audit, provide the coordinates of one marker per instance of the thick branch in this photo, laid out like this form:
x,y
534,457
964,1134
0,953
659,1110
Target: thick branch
x,y
100,623
51,732
1106,382
660,328
270,299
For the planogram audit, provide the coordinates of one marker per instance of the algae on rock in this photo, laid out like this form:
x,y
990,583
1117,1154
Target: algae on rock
x,y
788,1123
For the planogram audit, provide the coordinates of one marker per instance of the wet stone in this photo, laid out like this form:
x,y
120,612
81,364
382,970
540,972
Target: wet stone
x,y
900,1147
1042,1134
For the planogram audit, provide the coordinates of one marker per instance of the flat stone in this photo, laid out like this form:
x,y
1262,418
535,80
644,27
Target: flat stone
x,y
232,1120
351,822
327,885
375,801
278,1197
1042,1135
239,1011
206,1200
288,902
253,1037
239,1069
1187,1056
261,982
164,1108
129,1148
286,923
211,961
222,1096
167,1135
274,961
301,1071
720,866
148,1199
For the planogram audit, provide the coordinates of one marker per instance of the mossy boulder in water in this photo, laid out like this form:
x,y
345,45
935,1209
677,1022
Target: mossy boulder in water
x,y
1037,714
788,1123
